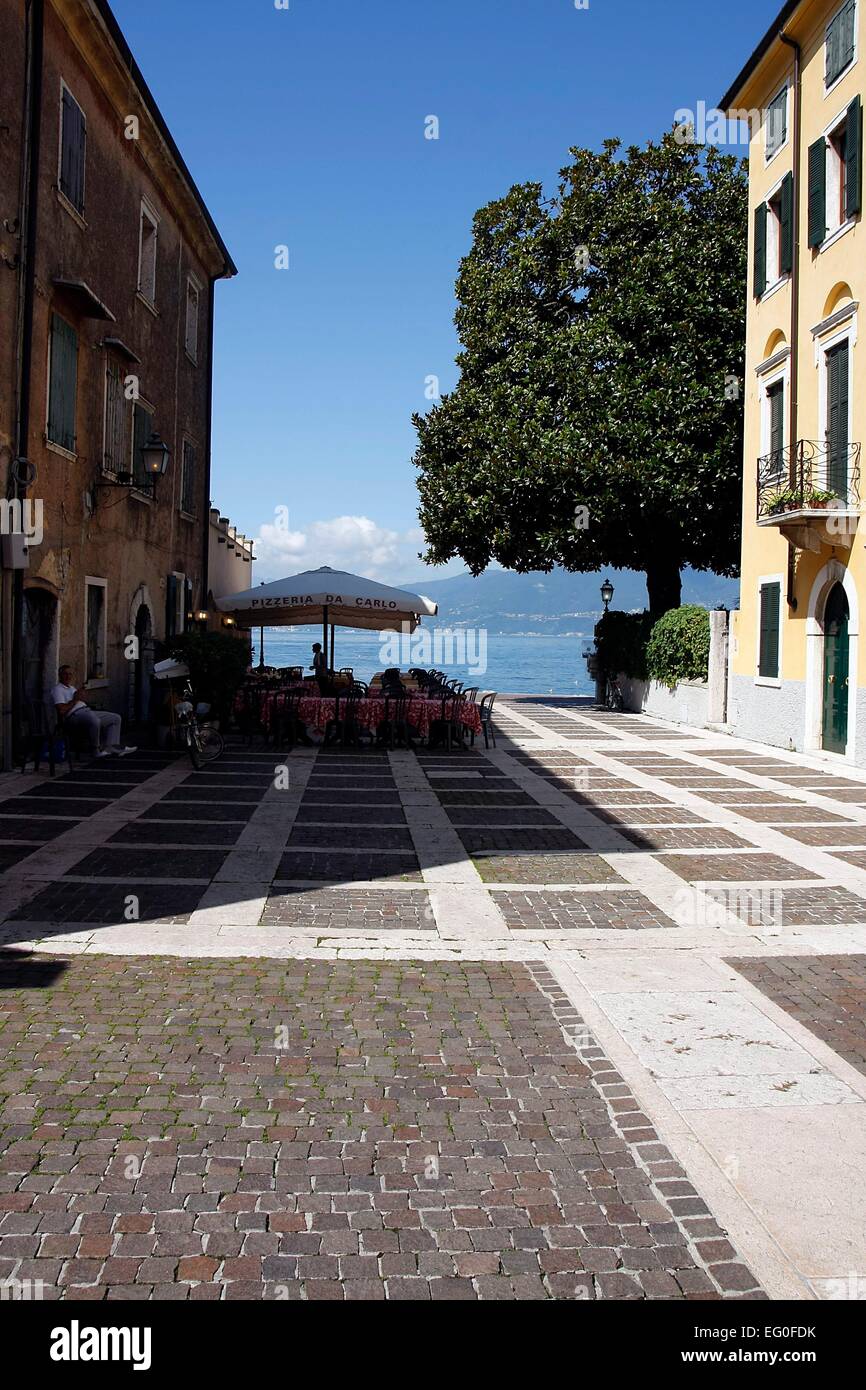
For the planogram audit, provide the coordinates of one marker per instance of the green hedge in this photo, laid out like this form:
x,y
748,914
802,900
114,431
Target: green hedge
x,y
679,647
621,641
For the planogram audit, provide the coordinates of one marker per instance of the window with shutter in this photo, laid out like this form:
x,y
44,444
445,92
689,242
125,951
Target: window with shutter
x,y
73,144
853,159
117,420
776,400
786,226
191,335
841,41
188,479
760,249
62,383
142,429
817,192
147,254
777,123
171,606
838,361
768,658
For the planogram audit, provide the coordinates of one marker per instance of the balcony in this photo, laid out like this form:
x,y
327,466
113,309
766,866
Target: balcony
x,y
811,494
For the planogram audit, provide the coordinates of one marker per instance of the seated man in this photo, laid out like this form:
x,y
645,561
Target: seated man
x,y
72,709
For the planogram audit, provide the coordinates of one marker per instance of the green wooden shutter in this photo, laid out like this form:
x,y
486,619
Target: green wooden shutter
x,y
841,42
837,420
777,421
72,151
786,226
817,192
171,606
760,249
854,158
63,383
768,661
141,432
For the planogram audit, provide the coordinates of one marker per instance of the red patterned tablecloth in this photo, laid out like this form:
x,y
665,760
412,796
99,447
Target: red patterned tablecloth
x,y
318,712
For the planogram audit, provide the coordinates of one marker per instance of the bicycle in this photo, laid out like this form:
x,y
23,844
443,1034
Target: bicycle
x,y
613,697
204,743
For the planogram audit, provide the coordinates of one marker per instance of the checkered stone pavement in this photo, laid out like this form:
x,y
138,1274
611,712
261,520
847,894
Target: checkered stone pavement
x,y
827,994
611,910
370,1131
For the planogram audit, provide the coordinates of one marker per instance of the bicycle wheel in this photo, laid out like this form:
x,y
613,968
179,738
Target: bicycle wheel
x,y
209,744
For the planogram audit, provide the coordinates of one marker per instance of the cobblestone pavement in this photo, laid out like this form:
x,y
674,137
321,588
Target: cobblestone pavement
x,y
251,1129
826,993
690,909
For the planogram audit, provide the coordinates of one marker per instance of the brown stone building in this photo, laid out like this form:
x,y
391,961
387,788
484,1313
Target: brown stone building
x,y
108,261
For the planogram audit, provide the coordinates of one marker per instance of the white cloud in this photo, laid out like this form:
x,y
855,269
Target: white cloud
x,y
353,543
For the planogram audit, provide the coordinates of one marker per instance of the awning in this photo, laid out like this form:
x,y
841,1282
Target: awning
x,y
89,305
327,596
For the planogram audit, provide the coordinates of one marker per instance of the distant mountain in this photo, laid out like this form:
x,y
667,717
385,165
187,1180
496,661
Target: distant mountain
x,y
557,603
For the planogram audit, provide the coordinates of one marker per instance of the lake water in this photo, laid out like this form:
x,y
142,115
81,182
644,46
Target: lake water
x,y
516,665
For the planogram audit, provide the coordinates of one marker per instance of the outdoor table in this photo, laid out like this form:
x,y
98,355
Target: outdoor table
x,y
319,712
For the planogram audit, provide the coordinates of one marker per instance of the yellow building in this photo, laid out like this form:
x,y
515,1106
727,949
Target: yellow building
x,y
798,673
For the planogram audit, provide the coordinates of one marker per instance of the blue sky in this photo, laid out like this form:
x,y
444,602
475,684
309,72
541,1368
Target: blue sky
x,y
305,128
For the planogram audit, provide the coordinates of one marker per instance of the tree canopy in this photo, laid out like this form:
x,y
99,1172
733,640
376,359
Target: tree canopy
x,y
598,415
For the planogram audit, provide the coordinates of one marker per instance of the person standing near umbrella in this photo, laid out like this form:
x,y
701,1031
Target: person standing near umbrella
x,y
319,667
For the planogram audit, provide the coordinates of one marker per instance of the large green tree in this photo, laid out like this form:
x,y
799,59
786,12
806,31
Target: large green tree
x,y
601,368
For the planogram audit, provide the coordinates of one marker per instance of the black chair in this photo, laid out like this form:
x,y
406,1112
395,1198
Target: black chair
x,y
249,713
42,736
285,720
344,727
359,688
471,694
347,671
394,729
486,712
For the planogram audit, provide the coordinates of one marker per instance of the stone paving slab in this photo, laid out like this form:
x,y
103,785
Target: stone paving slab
x,y
544,868
351,1130
825,993
546,910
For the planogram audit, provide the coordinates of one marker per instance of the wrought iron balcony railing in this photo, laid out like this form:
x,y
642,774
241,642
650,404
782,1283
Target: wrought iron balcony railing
x,y
810,477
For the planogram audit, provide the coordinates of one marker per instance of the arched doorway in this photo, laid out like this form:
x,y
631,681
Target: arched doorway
x,y
836,671
143,667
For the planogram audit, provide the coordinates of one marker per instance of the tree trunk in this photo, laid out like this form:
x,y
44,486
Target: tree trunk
x,y
664,585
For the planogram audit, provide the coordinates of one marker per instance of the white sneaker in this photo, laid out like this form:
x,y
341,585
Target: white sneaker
x,y
103,753
123,752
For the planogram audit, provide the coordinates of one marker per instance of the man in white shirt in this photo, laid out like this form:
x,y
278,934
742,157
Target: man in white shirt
x,y
72,709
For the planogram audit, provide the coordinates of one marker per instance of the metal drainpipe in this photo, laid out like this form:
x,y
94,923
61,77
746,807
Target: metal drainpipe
x,y
204,603
12,580
795,292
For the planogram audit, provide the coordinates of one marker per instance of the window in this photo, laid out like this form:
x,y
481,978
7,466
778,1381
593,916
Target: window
x,y
841,42
62,383
777,123
142,429
776,424
178,602
147,245
774,237
838,360
768,653
94,635
188,479
836,176
118,420
73,146
191,336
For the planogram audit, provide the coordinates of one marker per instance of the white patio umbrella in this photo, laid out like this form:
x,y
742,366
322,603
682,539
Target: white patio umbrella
x,y
330,597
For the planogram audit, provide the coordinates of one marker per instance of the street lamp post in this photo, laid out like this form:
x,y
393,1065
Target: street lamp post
x,y
607,592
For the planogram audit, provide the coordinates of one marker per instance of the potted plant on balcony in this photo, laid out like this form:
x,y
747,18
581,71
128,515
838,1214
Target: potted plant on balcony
x,y
786,500
818,499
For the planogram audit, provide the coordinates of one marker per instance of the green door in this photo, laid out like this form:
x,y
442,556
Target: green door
x,y
837,421
836,671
